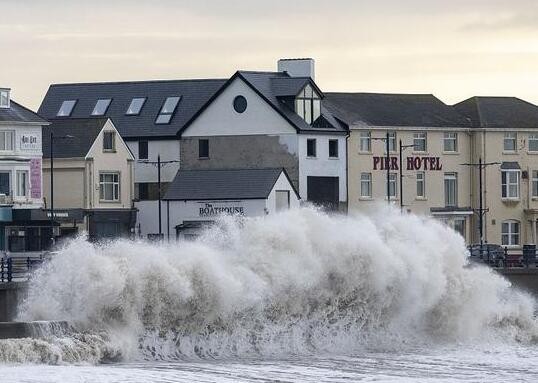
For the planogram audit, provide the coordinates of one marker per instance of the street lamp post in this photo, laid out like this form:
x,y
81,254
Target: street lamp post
x,y
481,210
387,160
52,138
402,147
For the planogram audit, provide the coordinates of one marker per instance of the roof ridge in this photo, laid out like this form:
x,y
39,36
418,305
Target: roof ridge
x,y
228,170
28,110
138,81
384,94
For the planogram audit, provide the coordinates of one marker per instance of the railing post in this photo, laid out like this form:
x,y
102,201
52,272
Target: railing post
x,y
505,256
2,267
9,269
28,264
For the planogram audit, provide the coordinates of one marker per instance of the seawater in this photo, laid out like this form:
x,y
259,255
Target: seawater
x,y
298,296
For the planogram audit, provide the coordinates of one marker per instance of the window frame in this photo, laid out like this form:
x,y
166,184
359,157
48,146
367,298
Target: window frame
x,y
365,136
334,140
25,183
424,138
308,100
108,100
70,110
144,99
315,147
365,180
205,140
393,186
392,142
146,142
506,183
511,234
7,105
12,140
9,181
422,181
116,186
169,113
535,140
113,135
450,176
507,138
534,183
448,139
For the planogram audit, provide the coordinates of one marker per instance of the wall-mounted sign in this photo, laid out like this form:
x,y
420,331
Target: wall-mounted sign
x,y
222,208
29,142
35,178
413,163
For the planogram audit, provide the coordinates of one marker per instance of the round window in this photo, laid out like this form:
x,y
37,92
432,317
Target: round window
x,y
240,104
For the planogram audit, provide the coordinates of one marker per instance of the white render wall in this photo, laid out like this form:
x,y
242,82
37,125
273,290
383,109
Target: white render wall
x,y
281,184
322,165
169,151
220,118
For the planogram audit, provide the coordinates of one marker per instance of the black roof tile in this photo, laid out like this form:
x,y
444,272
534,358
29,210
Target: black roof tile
x,y
18,113
83,130
382,109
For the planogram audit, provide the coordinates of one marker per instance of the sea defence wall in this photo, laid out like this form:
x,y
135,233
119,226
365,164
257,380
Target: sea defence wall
x,y
11,294
523,278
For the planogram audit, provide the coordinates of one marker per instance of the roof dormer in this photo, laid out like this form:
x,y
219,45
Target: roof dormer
x,y
4,97
308,104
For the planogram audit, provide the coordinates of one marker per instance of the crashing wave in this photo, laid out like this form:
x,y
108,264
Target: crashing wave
x,y
297,283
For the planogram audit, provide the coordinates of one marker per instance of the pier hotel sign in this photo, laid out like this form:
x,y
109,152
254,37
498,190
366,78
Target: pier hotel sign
x,y
411,163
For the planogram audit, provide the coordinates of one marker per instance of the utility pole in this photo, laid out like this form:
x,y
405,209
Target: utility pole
x,y
159,164
481,209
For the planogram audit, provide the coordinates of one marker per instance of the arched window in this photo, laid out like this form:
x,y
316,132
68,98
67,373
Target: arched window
x,y
510,232
308,105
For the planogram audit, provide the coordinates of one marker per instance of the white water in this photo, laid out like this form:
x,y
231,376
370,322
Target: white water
x,y
298,285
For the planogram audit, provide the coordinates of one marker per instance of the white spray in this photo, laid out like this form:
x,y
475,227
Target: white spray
x,y
297,283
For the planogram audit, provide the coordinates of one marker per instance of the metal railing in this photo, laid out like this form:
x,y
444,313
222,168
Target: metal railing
x,y
18,268
503,257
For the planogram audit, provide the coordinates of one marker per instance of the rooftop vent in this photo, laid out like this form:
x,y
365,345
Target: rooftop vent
x,y
298,67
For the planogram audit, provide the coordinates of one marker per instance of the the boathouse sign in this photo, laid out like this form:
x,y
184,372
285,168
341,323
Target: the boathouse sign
x,y
215,209
412,163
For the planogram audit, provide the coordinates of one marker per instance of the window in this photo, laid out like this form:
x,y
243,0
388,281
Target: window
x,y
240,104
533,142
203,148
5,183
392,142
459,226
6,140
149,191
510,233
311,147
510,184
535,183
450,142
419,142
22,183
101,107
366,185
510,139
135,106
282,200
167,111
308,105
109,186
109,143
4,98
333,148
66,108
421,185
451,189
365,142
393,185
143,150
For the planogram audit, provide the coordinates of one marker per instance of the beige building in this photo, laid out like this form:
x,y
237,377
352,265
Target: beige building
x,y
442,148
93,178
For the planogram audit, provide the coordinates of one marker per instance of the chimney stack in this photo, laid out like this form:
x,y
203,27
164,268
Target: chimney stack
x,y
298,67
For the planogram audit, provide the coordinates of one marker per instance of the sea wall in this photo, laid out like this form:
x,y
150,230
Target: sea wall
x,y
11,294
526,279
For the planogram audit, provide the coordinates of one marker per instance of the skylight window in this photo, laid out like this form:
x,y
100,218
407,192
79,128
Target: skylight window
x,y
67,108
167,111
101,107
4,98
136,106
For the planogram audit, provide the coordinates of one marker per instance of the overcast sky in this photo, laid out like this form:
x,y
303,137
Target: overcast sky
x,y
454,49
